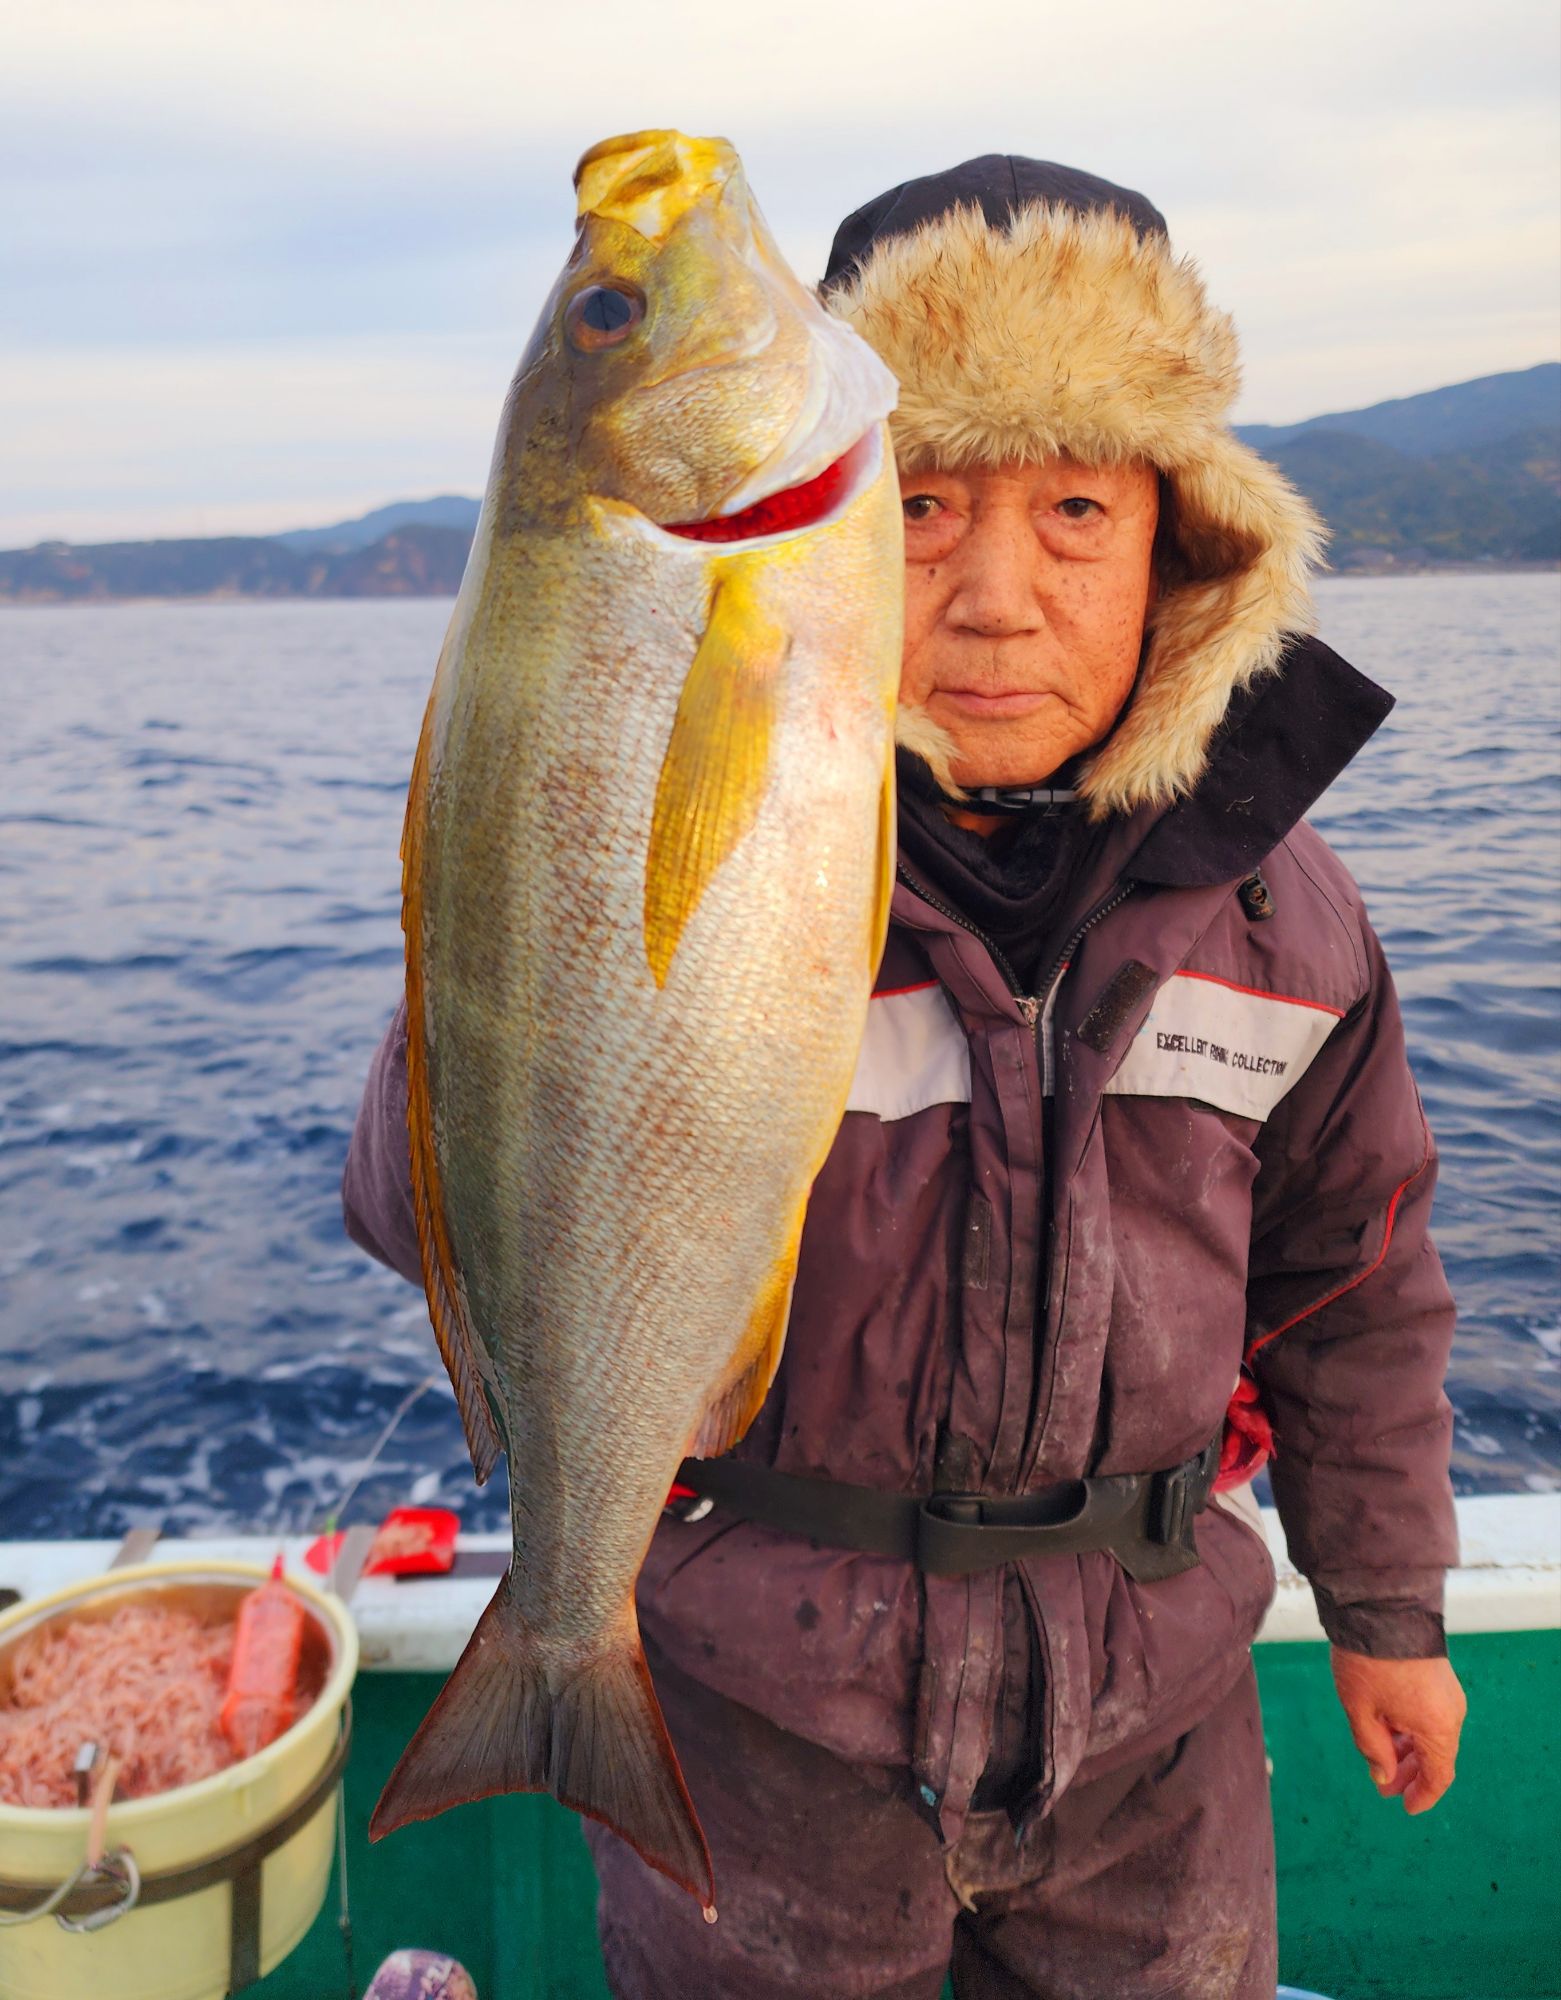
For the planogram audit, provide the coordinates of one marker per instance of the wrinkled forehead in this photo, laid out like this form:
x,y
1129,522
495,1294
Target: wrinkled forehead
x,y
1122,473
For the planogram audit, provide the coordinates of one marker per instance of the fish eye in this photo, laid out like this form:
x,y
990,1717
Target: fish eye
x,y
602,315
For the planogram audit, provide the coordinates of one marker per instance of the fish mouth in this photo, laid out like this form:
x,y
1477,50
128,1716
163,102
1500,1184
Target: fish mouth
x,y
793,508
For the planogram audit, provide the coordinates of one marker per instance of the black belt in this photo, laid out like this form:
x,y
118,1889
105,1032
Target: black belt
x,y
1144,1519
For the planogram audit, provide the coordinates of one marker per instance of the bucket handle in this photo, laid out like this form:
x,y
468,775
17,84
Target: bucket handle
x,y
90,1908
118,1868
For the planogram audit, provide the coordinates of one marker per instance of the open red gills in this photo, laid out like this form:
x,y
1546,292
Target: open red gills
x,y
782,513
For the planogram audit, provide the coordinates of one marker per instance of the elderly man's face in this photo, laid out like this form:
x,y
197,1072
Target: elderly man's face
x,y
1026,589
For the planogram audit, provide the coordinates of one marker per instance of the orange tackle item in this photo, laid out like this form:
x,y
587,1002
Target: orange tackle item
x,y
263,1680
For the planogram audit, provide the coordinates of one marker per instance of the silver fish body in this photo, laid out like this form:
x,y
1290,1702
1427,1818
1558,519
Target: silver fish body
x,y
648,847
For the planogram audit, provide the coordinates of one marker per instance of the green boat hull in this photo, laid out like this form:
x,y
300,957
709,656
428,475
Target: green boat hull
x,y
1459,1904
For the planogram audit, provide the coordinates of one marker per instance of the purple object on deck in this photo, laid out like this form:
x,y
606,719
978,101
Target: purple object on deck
x,y
421,1975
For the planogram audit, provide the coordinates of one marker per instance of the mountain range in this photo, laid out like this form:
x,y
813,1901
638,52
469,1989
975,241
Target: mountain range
x,y
1466,474
1470,473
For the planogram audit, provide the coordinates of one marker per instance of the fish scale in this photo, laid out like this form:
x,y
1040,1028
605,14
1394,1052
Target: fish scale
x,y
647,864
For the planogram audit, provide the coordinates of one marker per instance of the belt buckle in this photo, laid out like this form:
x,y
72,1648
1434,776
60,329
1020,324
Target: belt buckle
x,y
944,1510
1168,1514
1172,1501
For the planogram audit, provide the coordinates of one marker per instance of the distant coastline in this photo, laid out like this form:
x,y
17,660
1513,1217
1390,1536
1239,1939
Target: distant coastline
x,y
421,559
1542,568
1326,574
1459,481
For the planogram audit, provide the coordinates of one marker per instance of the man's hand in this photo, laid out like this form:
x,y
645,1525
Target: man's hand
x,y
1406,1717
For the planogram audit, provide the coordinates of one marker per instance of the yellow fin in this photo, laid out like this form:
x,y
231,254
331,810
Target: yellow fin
x,y
887,852
717,760
735,1406
445,1306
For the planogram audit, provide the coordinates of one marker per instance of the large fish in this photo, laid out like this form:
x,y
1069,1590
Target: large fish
x,y
647,860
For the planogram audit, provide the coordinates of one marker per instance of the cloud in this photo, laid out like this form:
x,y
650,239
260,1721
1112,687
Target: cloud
x,y
361,68
319,230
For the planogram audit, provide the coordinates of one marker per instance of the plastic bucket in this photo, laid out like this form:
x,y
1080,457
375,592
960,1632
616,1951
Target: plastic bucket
x,y
182,1948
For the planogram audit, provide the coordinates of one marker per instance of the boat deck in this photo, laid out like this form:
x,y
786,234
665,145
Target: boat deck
x,y
1459,1904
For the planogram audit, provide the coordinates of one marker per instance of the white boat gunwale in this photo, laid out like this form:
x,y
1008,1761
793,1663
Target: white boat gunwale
x,y
1509,1581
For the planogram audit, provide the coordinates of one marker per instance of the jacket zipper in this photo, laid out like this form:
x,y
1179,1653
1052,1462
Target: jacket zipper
x,y
1030,1005
1118,896
1011,978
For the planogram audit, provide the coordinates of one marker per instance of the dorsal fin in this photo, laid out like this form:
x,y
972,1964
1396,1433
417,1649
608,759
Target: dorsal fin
x,y
446,1302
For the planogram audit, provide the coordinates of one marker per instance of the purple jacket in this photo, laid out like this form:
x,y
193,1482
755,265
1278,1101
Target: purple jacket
x,y
1050,1230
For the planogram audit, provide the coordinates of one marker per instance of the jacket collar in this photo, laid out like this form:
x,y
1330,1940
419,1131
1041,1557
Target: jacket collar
x,y
1283,741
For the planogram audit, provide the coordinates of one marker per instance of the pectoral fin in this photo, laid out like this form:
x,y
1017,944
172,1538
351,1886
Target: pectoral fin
x,y
716,764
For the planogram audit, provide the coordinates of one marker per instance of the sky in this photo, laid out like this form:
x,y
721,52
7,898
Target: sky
x,y
266,266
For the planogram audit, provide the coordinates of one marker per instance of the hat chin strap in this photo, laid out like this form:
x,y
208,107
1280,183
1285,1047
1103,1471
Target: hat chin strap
x,y
1018,798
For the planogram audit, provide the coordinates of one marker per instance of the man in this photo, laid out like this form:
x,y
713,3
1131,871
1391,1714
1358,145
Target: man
x,y
1133,1183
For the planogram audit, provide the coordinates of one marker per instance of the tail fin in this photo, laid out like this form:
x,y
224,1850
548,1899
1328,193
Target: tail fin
x,y
589,1731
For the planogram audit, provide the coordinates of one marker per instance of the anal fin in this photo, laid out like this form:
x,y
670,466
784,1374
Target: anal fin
x,y
737,1403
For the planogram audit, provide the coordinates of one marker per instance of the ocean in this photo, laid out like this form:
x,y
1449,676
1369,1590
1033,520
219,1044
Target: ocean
x,y
200,947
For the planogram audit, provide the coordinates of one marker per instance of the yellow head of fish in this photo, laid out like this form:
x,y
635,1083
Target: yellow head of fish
x,y
679,368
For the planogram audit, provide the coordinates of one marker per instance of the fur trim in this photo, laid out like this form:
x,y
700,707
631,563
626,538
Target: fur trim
x,y
915,730
1069,333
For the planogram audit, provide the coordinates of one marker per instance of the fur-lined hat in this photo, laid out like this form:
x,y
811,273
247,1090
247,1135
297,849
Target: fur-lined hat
x,y
1028,309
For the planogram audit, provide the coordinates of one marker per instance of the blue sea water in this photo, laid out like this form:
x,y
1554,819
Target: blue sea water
x,y
200,944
